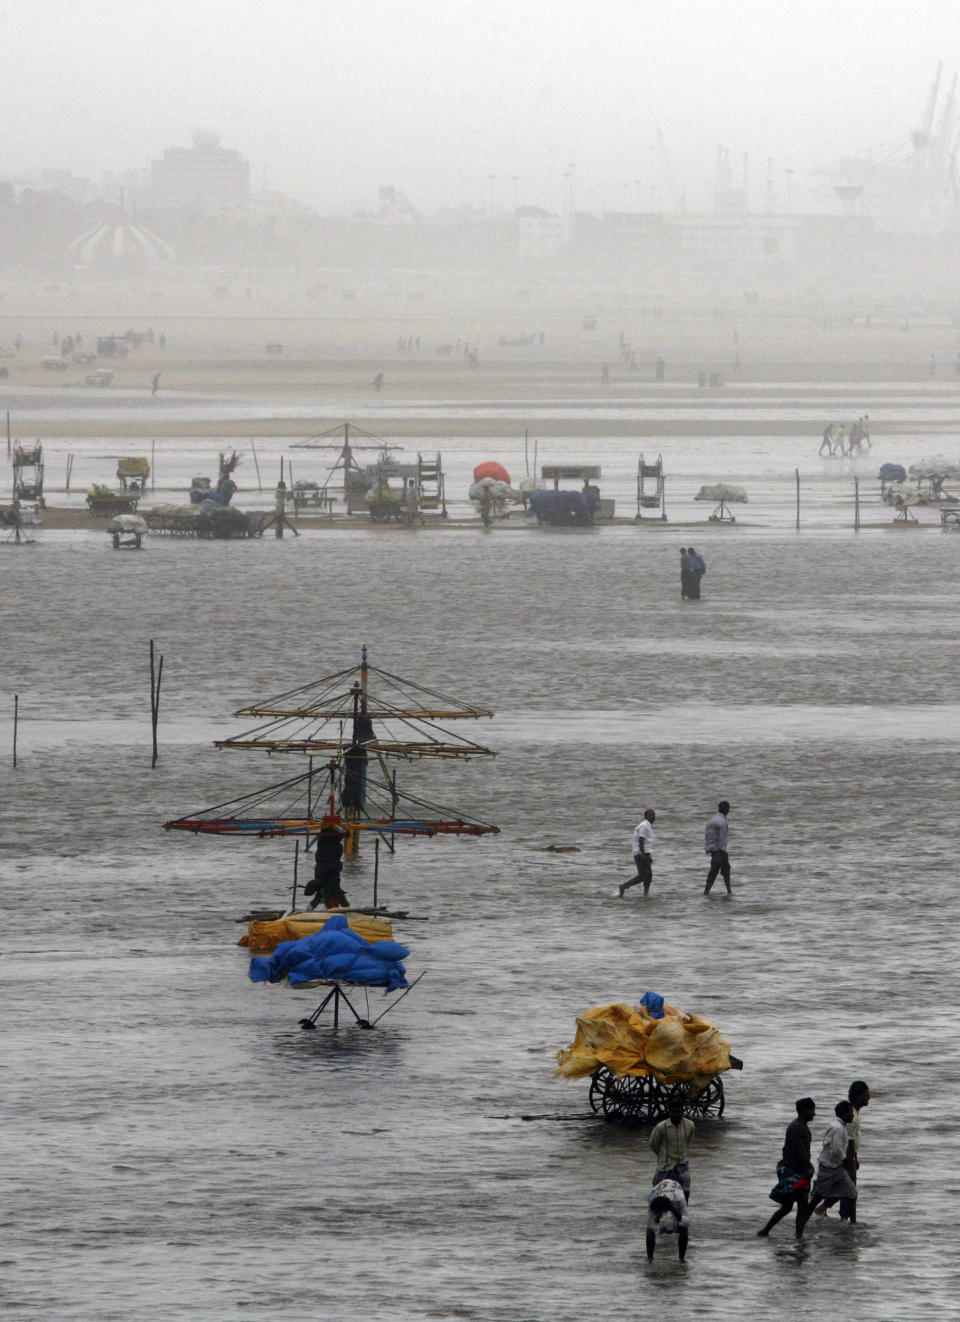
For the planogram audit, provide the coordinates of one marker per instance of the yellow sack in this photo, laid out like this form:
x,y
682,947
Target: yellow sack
x,y
264,936
679,1048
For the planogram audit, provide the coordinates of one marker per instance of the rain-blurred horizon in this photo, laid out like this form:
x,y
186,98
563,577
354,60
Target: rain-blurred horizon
x,y
623,143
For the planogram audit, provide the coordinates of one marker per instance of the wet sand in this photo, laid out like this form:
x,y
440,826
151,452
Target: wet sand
x,y
219,387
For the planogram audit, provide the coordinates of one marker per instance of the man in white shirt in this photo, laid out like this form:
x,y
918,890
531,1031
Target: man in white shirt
x,y
643,842
834,1165
858,1095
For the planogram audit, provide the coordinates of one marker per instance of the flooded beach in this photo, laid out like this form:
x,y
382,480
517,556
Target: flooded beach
x,y
183,1150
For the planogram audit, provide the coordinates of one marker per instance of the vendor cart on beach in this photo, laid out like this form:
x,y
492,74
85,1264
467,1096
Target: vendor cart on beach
x,y
640,1058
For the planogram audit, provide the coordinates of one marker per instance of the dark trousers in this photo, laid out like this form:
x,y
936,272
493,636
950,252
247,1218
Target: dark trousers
x,y
798,1200
644,872
719,866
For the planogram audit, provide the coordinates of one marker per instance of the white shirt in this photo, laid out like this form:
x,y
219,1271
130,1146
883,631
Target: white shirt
x,y
645,833
835,1142
672,1191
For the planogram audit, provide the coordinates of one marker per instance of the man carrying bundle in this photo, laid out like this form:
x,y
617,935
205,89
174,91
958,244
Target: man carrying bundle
x,y
795,1169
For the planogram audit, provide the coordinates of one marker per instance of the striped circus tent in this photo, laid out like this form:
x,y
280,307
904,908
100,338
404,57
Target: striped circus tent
x,y
120,245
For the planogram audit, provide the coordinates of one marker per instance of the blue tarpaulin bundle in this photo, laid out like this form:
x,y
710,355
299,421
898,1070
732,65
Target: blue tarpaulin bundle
x,y
334,952
893,473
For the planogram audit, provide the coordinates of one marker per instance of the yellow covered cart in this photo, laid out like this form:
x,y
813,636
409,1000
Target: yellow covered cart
x,y
639,1058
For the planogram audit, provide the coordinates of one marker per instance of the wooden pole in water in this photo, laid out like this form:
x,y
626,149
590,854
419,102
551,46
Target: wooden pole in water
x,y
69,470
296,860
797,471
256,466
280,504
856,504
376,868
16,711
9,448
156,678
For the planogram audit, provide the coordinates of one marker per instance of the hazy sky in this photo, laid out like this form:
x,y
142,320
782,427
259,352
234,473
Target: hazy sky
x,y
330,98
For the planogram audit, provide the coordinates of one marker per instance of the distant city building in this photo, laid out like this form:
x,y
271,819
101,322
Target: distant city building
x,y
730,238
68,184
206,178
540,235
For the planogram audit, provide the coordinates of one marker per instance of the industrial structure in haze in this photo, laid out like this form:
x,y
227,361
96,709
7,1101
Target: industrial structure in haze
x,y
881,216
910,185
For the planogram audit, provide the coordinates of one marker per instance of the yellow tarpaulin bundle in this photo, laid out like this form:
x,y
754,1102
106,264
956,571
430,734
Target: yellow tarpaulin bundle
x,y
265,936
679,1048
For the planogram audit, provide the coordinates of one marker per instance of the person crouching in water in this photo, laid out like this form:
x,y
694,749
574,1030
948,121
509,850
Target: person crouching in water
x,y
837,1157
327,866
666,1213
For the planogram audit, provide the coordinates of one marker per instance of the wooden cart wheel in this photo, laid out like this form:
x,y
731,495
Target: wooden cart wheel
x,y
708,1101
627,1099
611,1101
637,1093
599,1083
660,1094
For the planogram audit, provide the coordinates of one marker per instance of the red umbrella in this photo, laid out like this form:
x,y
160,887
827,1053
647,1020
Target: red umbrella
x,y
491,469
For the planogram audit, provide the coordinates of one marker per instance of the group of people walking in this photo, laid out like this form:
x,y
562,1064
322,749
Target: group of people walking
x,y
692,569
797,1186
837,1165
838,442
714,843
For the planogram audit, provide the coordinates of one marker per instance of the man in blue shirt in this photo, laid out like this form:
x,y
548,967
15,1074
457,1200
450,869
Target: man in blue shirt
x,y
698,567
715,844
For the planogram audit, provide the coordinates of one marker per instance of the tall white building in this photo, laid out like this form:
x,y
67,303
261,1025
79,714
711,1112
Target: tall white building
x,y
206,178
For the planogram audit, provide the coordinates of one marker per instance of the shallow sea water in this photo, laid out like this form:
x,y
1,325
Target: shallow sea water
x,y
177,1148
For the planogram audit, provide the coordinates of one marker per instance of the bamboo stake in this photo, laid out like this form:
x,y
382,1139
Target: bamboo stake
x,y
16,711
156,678
256,465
